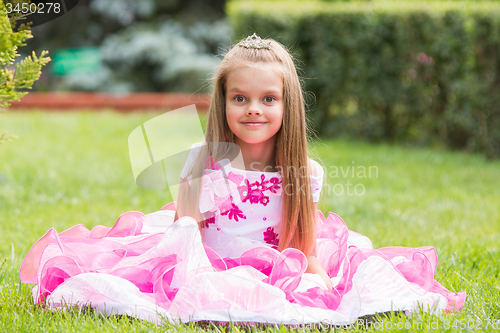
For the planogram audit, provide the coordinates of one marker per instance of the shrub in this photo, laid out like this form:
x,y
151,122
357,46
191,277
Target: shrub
x,y
26,71
421,72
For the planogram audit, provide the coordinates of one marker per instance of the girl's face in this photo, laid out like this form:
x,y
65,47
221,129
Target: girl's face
x,y
254,103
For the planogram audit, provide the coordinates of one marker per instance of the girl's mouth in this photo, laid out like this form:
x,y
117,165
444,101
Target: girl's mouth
x,y
254,124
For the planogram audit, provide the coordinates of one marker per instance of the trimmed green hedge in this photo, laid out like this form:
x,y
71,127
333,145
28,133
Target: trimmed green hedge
x,y
425,73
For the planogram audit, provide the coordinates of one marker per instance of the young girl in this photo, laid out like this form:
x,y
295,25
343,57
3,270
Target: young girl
x,y
264,253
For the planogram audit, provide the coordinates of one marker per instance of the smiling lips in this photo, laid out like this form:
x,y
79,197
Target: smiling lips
x,y
254,123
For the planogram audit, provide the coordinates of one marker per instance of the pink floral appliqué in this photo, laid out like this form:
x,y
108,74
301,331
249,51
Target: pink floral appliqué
x,y
219,187
217,190
254,192
270,237
208,221
234,212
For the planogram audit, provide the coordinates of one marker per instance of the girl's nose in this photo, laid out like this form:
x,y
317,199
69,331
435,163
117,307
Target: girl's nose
x,y
253,110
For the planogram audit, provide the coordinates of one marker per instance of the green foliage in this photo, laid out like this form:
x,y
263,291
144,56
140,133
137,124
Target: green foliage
x,y
77,170
27,71
421,72
147,45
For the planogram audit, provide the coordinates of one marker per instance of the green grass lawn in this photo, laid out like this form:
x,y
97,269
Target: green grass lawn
x,y
66,169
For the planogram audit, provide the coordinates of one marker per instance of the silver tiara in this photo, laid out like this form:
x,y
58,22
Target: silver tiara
x,y
254,42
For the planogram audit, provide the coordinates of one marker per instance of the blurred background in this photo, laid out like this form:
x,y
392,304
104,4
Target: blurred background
x,y
412,72
123,46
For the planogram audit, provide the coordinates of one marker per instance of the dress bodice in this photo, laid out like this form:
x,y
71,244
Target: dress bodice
x,y
244,211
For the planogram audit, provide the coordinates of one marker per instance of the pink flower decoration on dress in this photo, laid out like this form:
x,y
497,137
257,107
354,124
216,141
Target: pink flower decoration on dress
x,y
270,237
255,192
215,191
226,204
275,185
237,179
208,221
264,200
234,212
211,163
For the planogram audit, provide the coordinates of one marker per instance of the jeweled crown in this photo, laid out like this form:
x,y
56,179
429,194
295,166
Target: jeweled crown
x,y
254,42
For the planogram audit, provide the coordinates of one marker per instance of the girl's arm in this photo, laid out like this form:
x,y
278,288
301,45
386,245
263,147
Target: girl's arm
x,y
314,265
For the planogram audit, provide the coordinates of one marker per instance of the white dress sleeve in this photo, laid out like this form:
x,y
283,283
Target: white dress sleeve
x,y
316,181
193,152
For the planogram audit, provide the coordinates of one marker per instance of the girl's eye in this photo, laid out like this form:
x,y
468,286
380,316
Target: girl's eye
x,y
269,99
239,99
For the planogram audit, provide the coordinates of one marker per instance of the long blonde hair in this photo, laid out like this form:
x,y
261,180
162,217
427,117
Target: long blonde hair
x,y
298,215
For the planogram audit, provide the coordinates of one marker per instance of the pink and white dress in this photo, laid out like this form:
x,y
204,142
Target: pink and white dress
x,y
148,267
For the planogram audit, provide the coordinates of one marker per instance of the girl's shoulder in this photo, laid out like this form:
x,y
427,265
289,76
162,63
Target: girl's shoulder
x,y
193,152
315,169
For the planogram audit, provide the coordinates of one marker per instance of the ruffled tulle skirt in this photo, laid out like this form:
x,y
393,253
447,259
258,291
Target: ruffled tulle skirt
x,y
150,268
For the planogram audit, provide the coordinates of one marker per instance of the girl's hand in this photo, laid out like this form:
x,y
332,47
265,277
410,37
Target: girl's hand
x,y
314,266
